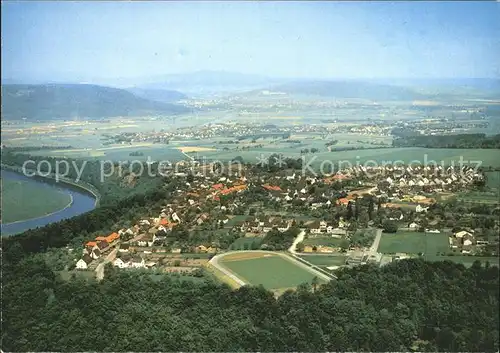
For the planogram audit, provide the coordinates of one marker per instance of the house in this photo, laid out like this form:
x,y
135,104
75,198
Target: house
x,y
413,225
419,209
432,231
95,254
202,218
314,227
175,251
122,262
343,224
147,240
144,222
308,248
468,242
124,247
84,262
137,262
463,234
176,218
343,201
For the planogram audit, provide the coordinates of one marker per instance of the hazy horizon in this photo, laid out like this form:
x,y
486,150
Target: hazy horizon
x,y
99,41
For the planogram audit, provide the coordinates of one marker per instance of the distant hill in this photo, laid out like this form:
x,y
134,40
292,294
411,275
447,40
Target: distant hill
x,y
59,101
348,89
210,82
158,95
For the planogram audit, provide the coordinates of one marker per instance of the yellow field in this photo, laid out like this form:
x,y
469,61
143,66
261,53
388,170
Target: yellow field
x,y
187,149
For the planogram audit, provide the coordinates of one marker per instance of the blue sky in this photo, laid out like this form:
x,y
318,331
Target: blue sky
x,y
95,40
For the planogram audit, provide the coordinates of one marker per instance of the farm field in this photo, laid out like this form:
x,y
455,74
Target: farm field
x,y
414,155
493,180
413,243
325,260
23,200
272,271
119,153
480,197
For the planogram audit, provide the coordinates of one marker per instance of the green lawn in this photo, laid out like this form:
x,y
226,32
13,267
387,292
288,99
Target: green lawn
x,y
325,260
24,200
325,241
413,243
273,272
245,243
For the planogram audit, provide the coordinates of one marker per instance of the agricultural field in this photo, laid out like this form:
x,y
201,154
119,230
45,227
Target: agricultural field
x,y
273,271
413,243
493,180
23,200
156,152
414,155
490,198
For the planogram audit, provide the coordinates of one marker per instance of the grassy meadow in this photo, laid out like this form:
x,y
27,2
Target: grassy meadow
x,y
413,243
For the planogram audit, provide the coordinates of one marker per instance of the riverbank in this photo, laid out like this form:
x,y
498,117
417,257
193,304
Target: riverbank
x,y
82,200
81,185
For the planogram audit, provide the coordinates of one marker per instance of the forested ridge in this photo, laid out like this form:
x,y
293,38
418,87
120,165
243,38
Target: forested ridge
x,y
407,305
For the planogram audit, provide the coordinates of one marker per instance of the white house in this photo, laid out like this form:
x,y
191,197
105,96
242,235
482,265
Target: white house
x,y
138,262
176,218
84,262
462,234
413,225
467,242
120,263
419,209
144,222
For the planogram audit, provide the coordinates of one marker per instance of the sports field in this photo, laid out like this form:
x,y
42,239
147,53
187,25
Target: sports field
x,y
273,271
413,243
325,260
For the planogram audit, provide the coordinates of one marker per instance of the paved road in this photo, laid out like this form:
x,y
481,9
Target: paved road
x,y
376,241
298,239
100,268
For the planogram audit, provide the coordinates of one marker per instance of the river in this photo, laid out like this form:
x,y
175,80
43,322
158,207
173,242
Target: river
x,y
82,202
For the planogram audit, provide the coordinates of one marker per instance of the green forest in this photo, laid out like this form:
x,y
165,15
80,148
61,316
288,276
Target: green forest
x,y
448,141
410,305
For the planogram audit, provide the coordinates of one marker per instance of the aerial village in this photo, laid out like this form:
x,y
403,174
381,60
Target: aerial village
x,y
211,213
